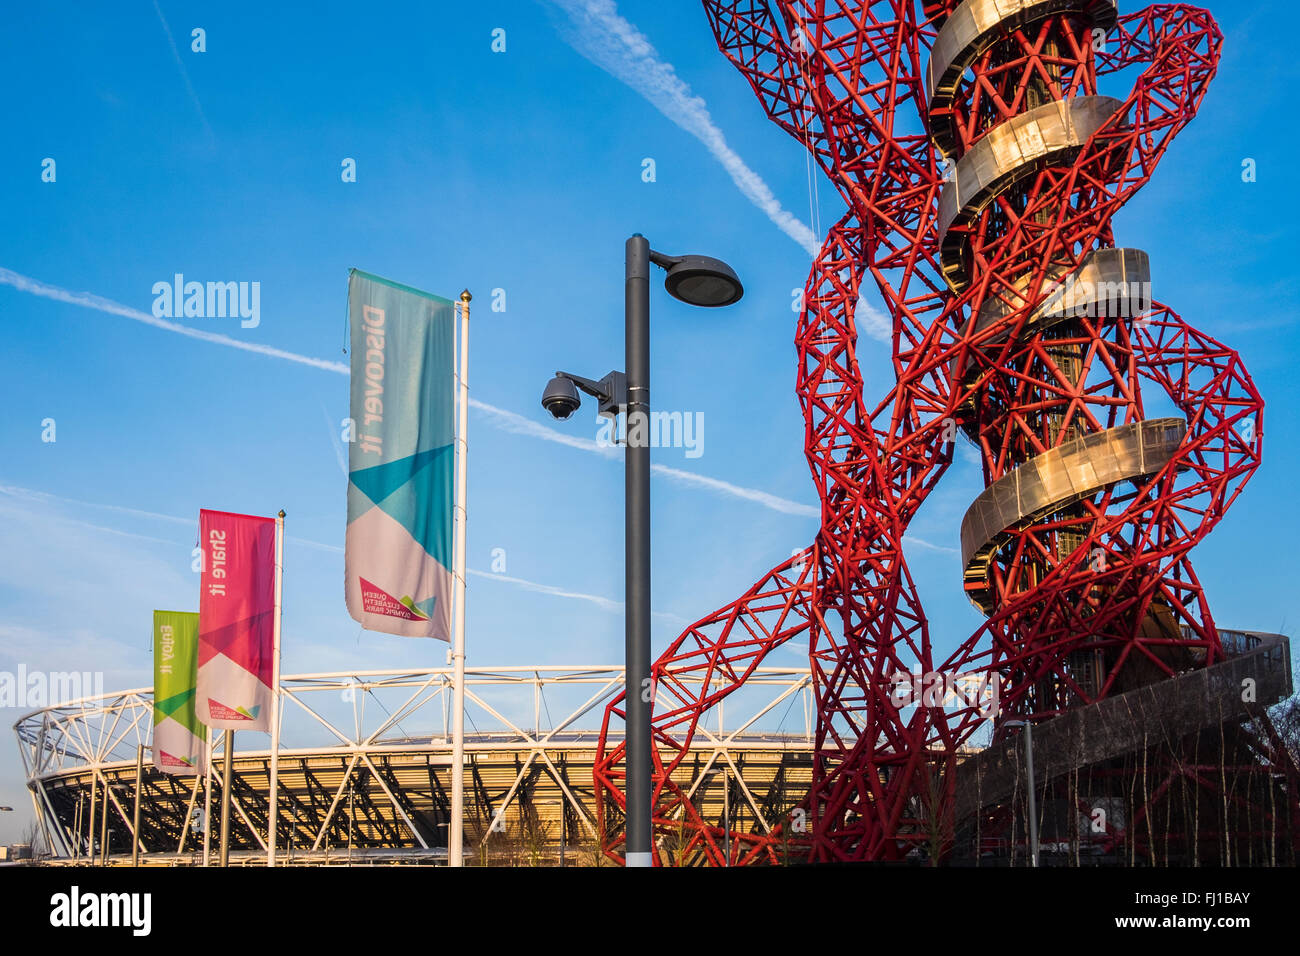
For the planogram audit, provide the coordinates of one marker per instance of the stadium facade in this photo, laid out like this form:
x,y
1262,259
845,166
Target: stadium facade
x,y
366,760
365,768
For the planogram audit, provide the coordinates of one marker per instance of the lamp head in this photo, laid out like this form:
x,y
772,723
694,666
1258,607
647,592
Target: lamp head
x,y
701,280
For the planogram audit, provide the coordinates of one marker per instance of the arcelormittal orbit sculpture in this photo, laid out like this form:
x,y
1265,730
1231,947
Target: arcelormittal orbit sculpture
x,y
982,152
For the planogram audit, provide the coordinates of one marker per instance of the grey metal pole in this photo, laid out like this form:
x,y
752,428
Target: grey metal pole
x,y
103,826
637,544
135,812
726,812
227,765
207,797
90,825
81,807
1033,808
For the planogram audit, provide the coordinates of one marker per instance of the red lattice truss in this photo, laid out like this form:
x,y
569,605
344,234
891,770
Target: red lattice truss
x,y
847,82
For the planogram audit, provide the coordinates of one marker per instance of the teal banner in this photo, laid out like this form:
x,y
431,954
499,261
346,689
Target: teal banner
x,y
402,455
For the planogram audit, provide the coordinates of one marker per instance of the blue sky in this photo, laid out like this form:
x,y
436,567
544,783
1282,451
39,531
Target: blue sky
x,y
521,171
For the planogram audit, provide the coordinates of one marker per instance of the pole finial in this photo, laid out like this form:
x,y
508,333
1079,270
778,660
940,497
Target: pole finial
x,y
281,512
465,296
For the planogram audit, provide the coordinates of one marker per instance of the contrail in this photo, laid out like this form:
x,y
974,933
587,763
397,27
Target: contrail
x,y
599,33
512,422
180,65
920,542
89,301
604,603
783,505
519,425
500,417
335,441
45,498
19,493
871,321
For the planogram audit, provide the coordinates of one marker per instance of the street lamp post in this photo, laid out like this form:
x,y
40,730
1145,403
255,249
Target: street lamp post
x,y
695,280
1029,772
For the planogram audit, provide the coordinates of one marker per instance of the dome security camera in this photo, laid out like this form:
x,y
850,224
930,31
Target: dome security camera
x,y
561,397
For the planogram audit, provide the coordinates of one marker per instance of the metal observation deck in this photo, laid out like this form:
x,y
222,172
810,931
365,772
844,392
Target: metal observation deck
x,y
1113,284
1054,479
971,29
1109,282
1005,155
1127,723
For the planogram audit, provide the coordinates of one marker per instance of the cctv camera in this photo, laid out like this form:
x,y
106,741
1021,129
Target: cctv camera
x,y
561,397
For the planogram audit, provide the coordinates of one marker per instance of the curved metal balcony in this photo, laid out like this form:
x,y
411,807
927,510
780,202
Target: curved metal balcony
x,y
1110,283
974,27
1007,154
1058,477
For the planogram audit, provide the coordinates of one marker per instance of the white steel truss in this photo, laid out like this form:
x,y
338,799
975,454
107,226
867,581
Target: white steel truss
x,y
360,718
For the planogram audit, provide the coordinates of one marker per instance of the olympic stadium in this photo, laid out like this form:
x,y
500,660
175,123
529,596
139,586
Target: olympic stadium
x,y
365,763
364,770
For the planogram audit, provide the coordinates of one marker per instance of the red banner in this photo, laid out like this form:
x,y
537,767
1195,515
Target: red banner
x,y
236,621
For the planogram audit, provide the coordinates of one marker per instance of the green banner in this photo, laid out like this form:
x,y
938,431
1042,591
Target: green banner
x,y
179,740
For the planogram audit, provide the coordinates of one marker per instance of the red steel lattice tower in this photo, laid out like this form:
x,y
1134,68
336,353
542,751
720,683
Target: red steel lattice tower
x,y
981,165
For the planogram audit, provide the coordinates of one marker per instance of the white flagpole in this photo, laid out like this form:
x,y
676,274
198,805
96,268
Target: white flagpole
x,y
455,834
274,815
207,798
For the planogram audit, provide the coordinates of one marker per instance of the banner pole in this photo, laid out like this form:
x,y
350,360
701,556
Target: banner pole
x,y
90,825
274,816
228,742
135,812
103,825
207,798
455,835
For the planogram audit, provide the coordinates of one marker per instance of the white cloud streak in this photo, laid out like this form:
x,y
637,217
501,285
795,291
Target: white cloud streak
x,y
180,65
519,425
49,502
499,417
63,519
921,543
871,321
599,33
335,441
604,603
87,300
43,497
691,479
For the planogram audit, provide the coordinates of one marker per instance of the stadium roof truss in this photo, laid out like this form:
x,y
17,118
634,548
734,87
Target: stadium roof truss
x,y
378,779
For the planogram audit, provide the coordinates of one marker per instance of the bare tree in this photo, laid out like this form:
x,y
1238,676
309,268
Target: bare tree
x,y
34,837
